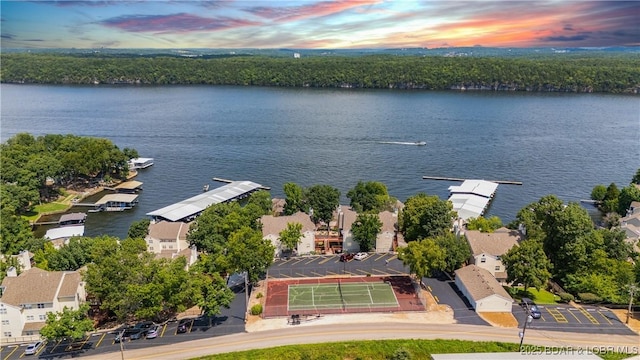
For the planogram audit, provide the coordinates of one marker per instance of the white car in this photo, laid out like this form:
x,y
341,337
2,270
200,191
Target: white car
x,y
34,348
360,256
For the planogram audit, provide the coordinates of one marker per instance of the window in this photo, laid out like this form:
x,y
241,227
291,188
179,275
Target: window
x,y
7,334
27,306
40,306
483,260
497,268
3,310
42,317
29,333
30,317
497,257
5,322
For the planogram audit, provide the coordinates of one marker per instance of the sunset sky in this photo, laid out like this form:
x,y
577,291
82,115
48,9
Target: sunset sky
x,y
318,24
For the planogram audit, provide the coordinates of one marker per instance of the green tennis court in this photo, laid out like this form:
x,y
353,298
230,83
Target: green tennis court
x,y
341,296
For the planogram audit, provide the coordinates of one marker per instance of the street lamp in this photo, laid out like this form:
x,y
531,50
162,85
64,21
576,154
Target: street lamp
x,y
524,329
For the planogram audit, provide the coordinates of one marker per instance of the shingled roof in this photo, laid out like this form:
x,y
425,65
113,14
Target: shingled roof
x,y
167,230
496,243
36,286
480,283
273,225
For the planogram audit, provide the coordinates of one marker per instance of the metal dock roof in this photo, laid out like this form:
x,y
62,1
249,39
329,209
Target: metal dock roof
x,y
129,185
194,205
477,187
472,197
123,198
64,232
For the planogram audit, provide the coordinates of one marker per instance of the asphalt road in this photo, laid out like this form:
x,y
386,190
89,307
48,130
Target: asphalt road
x,y
317,333
445,291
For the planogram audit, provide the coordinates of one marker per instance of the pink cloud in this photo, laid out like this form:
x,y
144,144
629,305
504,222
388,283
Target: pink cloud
x,y
175,23
306,11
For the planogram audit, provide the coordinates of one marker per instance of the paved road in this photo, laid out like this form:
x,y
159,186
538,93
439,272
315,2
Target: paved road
x,y
446,292
304,334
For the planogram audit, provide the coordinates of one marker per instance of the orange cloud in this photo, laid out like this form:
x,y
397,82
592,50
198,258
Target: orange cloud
x,y
319,9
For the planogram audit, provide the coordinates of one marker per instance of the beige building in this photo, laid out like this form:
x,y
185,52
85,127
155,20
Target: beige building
x,y
346,217
273,225
168,240
482,290
487,248
630,224
28,297
388,232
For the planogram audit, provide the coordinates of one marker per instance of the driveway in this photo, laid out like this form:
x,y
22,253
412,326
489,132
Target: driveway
x,y
445,291
330,265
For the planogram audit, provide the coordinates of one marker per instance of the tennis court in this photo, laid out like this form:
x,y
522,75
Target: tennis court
x,y
340,296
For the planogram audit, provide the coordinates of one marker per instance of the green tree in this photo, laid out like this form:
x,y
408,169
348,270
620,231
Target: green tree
x,y
636,177
422,257
425,216
139,229
598,193
248,252
370,196
485,225
210,291
527,264
15,233
628,194
365,230
294,199
323,199
70,324
291,236
259,203
456,248
610,201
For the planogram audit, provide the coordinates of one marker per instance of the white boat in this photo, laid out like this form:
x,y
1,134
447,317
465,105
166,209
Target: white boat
x,y
140,163
416,143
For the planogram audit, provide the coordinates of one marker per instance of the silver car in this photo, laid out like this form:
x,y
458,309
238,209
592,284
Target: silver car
x,y
32,349
153,332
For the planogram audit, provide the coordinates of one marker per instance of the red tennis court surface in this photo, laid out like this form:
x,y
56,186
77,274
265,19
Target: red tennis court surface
x,y
277,297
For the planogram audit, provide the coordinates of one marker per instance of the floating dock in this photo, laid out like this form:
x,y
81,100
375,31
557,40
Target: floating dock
x,y
505,182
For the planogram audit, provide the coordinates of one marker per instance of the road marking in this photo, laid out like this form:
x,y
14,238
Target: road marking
x,y
429,287
312,260
317,274
557,315
435,297
393,257
301,274
332,273
589,316
379,271
380,257
190,326
11,353
55,346
100,341
325,260
605,317
574,315
299,261
164,328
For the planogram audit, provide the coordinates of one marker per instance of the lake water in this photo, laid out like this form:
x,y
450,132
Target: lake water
x,y
561,144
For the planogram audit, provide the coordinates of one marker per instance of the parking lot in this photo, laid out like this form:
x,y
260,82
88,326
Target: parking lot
x,y
330,265
586,319
445,291
229,321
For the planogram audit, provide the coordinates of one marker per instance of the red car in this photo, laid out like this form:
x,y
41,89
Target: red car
x,y
346,257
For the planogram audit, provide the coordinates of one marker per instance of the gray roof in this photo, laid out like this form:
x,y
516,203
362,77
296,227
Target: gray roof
x,y
64,232
129,185
480,283
194,205
496,243
73,217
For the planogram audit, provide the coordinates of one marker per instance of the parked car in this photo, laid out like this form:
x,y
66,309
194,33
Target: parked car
x,y
360,256
32,349
128,334
137,334
183,326
346,257
143,325
153,332
529,306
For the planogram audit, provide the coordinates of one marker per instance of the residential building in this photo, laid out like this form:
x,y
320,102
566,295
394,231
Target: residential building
x,y
273,225
487,248
346,217
482,290
168,240
28,297
387,236
630,224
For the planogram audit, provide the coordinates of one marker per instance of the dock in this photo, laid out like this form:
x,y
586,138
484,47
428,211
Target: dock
x,y
505,182
230,181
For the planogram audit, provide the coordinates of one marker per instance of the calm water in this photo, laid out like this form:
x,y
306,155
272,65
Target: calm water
x,y
561,144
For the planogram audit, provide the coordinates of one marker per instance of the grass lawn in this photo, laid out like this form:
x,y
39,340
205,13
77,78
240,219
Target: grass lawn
x,y
378,350
45,208
539,297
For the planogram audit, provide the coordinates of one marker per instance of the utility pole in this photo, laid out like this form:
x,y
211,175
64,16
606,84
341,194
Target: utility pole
x,y
632,292
524,328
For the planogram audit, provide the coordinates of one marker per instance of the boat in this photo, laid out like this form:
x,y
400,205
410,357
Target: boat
x,y
416,143
140,163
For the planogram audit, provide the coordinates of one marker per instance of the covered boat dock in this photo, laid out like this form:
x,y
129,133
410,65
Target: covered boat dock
x,y
472,198
187,210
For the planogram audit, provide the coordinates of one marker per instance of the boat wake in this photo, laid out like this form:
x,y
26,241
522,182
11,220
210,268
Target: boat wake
x,y
415,143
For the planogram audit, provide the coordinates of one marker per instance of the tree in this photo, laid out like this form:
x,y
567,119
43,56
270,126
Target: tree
x,y
370,196
70,324
598,193
422,257
636,177
139,229
323,199
365,230
291,236
210,291
425,216
15,232
610,201
259,204
294,199
485,225
628,194
247,251
456,248
527,264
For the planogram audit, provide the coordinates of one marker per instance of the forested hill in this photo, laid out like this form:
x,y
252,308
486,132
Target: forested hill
x,y
577,73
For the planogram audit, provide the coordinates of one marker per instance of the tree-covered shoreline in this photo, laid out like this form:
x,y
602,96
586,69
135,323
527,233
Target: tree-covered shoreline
x,y
577,74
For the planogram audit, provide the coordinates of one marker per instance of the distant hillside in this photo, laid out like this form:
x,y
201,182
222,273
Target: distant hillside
x,y
549,70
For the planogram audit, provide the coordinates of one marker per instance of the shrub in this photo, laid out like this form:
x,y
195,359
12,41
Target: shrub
x,y
259,295
566,297
589,298
400,354
256,309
